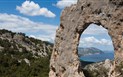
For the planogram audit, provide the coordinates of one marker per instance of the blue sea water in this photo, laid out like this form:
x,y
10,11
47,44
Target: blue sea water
x,y
97,57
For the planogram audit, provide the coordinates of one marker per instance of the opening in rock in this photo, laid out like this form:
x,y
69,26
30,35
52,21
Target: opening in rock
x,y
95,50
95,44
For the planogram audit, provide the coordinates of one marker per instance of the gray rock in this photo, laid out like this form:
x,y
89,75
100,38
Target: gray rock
x,y
74,20
101,69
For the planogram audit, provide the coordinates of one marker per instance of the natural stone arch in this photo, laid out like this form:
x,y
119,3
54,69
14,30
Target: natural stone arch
x,y
74,20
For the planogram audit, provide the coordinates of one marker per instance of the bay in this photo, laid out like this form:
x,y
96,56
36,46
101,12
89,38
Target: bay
x,y
97,57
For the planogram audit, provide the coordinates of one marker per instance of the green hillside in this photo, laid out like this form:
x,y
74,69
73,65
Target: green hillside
x,y
22,56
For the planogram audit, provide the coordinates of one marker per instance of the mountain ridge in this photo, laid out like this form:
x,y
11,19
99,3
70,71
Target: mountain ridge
x,y
88,51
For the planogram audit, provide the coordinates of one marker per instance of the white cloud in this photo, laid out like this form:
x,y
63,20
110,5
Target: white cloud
x,y
21,24
65,3
32,9
49,37
94,29
92,41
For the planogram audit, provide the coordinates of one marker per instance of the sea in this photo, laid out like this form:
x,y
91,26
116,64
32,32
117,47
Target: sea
x,y
97,57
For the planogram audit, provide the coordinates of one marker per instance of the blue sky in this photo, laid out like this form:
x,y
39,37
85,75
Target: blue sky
x,y
41,18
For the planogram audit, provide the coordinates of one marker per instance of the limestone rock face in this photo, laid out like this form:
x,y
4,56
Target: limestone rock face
x,y
101,69
74,20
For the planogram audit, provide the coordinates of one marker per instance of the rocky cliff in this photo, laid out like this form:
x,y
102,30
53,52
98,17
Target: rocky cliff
x,y
19,42
74,20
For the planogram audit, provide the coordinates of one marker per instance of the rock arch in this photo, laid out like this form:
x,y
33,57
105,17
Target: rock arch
x,y
74,20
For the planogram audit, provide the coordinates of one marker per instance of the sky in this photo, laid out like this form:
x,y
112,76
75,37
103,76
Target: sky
x,y
41,18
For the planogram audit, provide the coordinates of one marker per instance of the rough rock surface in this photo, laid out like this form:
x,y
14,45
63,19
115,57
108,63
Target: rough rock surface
x,y
74,20
18,41
101,69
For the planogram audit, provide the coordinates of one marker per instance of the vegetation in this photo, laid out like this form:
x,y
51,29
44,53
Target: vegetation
x,y
11,67
12,60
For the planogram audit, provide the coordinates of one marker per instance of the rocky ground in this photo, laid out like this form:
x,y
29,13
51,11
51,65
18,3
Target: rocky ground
x,y
100,69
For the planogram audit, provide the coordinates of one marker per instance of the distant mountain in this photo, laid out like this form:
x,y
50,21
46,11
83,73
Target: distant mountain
x,y
88,51
23,56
